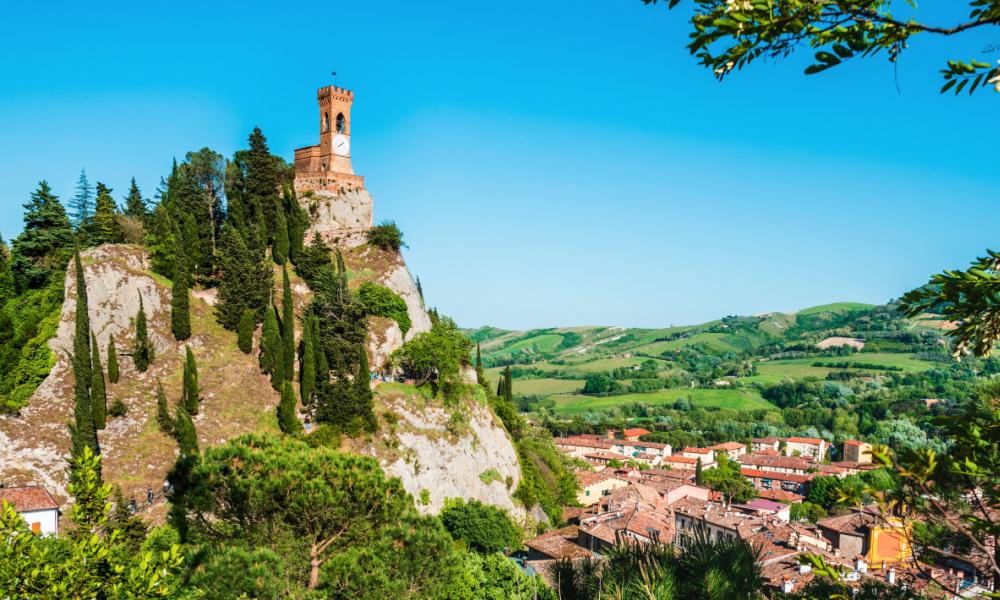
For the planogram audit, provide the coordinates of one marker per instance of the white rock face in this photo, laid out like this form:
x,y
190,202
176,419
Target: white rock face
x,y
385,337
339,215
447,468
400,281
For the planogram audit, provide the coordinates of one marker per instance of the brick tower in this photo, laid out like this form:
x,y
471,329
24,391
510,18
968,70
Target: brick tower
x,y
327,165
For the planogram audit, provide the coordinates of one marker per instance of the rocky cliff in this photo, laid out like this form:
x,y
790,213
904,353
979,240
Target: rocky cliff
x,y
459,450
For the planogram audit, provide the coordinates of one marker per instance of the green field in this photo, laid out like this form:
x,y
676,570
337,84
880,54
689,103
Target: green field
x,y
739,399
797,368
541,343
836,307
545,387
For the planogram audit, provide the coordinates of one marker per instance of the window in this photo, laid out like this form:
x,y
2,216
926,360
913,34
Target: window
x,y
340,122
36,528
326,121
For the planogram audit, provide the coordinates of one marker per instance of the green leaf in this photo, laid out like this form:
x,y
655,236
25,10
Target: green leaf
x,y
947,86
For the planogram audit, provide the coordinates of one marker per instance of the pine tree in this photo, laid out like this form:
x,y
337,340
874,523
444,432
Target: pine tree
x,y
185,433
246,328
287,420
280,250
247,280
135,205
190,398
144,354
163,418
287,325
45,244
112,360
272,360
262,181
98,394
105,224
81,206
180,310
307,364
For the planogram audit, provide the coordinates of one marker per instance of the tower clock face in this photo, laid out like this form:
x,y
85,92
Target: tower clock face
x,y
341,145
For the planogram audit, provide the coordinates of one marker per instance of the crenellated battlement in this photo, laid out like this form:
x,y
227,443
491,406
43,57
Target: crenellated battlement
x,y
332,92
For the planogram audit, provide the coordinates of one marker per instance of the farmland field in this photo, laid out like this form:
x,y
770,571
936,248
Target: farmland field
x,y
798,368
740,399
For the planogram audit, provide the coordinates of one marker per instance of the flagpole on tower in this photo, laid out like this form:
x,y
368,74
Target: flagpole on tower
x,y
334,75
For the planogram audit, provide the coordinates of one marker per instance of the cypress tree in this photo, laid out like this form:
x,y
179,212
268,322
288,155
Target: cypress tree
x,y
363,391
162,240
163,418
245,335
270,343
278,376
280,250
180,307
508,388
480,374
322,362
697,472
185,433
98,394
112,360
81,335
297,224
287,325
82,430
307,364
144,353
190,398
262,180
287,420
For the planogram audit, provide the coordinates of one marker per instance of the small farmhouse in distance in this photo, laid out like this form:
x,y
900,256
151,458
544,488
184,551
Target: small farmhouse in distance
x,y
38,508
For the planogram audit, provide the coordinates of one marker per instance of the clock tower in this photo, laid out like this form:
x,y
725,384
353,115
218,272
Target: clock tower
x,y
327,166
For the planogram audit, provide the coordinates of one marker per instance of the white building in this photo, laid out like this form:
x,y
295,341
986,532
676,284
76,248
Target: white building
x,y
38,508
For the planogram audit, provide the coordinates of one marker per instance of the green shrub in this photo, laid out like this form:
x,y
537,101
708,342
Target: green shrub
x,y
118,408
482,527
387,236
380,301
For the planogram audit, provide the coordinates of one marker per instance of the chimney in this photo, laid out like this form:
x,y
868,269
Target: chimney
x,y
892,576
861,565
804,568
787,584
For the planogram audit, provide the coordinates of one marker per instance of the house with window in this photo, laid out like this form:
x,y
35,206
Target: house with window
x,y
594,486
732,449
36,506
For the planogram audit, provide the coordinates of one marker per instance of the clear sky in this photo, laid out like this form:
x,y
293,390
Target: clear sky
x,y
550,163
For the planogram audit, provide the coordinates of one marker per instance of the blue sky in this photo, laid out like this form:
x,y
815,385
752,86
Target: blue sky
x,y
550,163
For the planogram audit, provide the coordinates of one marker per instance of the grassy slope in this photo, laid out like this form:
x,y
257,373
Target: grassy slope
x,y
741,399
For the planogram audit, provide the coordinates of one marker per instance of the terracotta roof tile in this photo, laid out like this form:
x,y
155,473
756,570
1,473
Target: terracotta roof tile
x,y
25,499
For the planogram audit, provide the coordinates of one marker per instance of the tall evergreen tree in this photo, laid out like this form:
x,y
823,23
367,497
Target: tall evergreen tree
x,y
245,331
698,471
163,418
162,240
247,280
81,334
112,360
143,354
287,420
508,388
105,224
363,391
83,432
272,360
262,181
46,242
207,170
280,250
287,325
480,373
98,393
81,206
191,394
185,432
307,364
180,309
297,221
135,205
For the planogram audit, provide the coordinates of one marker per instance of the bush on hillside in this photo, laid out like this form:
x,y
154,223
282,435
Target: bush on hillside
x,y
387,236
482,527
380,301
